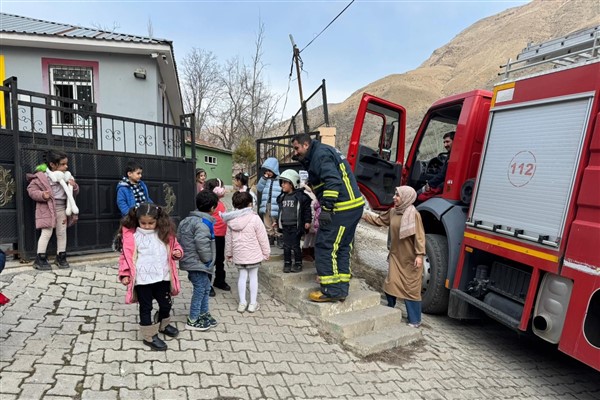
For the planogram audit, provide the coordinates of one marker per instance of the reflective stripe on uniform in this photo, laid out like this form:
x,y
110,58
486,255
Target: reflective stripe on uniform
x,y
349,204
331,193
334,251
346,180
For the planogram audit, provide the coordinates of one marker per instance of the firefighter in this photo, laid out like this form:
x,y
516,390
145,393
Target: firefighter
x,y
341,209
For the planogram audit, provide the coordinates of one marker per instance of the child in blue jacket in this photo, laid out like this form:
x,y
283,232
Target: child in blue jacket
x,y
131,190
269,188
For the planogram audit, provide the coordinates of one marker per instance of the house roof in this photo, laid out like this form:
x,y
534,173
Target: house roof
x,y
207,145
19,31
20,24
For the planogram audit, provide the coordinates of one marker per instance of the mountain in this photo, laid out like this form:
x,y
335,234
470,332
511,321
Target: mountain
x,y
471,60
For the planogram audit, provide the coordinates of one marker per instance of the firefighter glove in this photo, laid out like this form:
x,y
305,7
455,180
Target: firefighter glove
x,y
325,217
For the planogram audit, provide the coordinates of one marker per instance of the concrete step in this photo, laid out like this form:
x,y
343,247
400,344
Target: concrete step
x,y
398,334
356,300
361,322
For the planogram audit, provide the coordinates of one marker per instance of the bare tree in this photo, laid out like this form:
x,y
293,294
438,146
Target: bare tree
x,y
106,28
248,106
262,103
202,77
150,27
232,101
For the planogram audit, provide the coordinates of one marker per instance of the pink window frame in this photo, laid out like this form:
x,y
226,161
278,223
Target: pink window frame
x,y
94,65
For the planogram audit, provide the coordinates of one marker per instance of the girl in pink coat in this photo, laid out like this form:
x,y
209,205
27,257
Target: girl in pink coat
x,y
247,245
147,267
53,188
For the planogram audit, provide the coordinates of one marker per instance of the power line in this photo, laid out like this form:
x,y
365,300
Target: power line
x,y
332,21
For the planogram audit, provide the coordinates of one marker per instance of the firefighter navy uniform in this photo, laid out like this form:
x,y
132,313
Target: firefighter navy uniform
x,y
337,191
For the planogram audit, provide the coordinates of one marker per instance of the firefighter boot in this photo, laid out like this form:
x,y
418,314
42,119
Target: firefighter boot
x,y
41,262
61,260
150,335
320,297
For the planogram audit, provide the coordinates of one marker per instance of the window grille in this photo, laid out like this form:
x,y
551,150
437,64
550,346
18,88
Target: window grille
x,y
75,83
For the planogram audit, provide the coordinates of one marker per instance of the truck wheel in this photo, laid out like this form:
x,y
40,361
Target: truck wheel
x,y
434,295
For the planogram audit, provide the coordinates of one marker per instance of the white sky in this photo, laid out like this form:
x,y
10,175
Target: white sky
x,y
370,40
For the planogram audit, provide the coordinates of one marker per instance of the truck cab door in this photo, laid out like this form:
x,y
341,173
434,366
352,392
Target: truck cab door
x,y
376,149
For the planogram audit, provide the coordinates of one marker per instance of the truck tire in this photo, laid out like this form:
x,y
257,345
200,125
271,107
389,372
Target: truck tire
x,y
434,295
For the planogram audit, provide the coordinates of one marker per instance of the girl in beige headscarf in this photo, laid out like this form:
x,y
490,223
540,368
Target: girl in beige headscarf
x,y
407,238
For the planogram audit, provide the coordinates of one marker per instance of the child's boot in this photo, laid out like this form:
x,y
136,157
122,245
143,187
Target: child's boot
x,y
61,260
287,267
150,335
168,330
41,262
297,267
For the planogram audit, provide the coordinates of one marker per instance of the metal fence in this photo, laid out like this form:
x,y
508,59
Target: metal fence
x,y
99,146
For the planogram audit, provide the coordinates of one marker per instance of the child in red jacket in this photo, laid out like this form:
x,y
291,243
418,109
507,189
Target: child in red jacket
x,y
215,185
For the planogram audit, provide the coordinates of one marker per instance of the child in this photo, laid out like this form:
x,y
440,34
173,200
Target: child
x,y
215,185
3,298
53,188
196,235
269,188
240,181
147,267
131,190
308,245
405,272
247,245
200,179
294,218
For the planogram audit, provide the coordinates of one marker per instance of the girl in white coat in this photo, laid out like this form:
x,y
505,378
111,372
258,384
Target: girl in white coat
x,y
247,245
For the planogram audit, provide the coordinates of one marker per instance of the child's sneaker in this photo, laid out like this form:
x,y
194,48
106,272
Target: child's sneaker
x,y
210,319
417,325
201,324
253,307
242,307
297,267
287,268
3,299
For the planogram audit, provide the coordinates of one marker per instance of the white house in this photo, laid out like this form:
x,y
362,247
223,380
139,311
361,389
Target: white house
x,y
125,75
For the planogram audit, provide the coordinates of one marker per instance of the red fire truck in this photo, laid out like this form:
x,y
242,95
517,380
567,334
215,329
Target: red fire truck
x,y
515,233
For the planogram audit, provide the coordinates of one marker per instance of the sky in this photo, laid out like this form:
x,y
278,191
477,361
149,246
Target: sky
x,y
368,41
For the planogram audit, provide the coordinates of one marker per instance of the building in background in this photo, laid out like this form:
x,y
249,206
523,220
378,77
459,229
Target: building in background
x,y
217,162
125,75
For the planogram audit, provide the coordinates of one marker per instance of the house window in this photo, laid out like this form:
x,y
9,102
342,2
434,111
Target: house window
x,y
72,82
210,160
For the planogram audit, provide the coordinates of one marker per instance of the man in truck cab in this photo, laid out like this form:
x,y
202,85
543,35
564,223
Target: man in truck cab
x,y
435,185
342,204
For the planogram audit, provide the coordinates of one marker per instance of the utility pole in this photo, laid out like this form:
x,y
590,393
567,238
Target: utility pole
x,y
302,104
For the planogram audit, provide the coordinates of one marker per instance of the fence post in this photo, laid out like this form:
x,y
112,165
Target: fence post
x,y
325,109
14,126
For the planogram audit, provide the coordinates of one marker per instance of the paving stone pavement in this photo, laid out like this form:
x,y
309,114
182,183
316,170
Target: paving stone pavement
x,y
69,335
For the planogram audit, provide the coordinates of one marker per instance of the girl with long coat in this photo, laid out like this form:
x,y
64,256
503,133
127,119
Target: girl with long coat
x,y
407,238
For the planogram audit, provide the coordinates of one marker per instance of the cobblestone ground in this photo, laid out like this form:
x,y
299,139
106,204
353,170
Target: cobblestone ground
x,y
69,335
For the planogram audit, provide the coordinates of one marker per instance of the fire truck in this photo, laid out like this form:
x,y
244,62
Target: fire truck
x,y
515,233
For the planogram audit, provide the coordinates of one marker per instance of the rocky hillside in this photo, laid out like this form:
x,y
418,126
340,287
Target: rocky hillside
x,y
472,59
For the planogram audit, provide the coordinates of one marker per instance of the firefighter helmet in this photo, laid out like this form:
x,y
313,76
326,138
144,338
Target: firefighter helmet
x,y
291,176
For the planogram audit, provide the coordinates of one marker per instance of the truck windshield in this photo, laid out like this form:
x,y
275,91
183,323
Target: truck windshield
x,y
432,142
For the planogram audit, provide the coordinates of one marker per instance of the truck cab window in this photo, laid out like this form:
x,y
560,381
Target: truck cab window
x,y
431,154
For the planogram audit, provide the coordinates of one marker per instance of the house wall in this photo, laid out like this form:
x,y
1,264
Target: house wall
x,y
118,92
223,169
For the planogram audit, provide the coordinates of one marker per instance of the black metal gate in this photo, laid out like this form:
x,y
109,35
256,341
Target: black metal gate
x,y
98,146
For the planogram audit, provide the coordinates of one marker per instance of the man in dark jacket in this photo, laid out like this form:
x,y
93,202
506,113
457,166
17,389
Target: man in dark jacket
x,y
342,205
